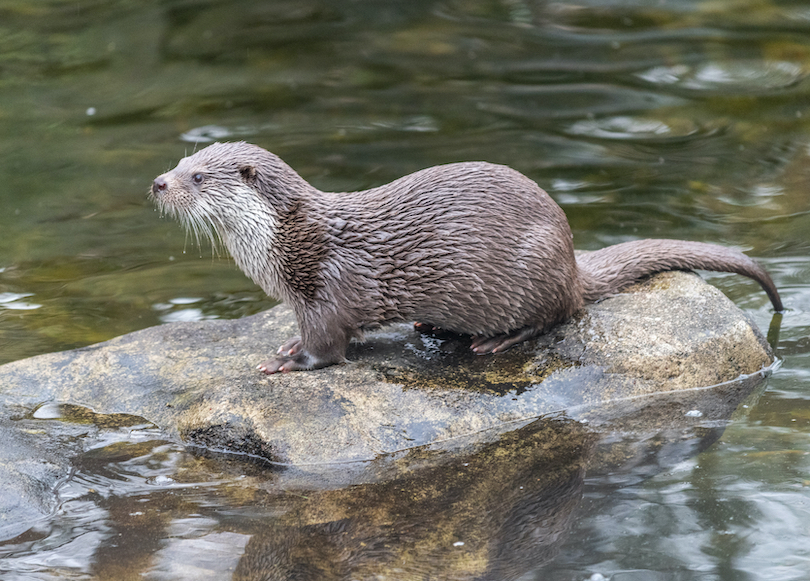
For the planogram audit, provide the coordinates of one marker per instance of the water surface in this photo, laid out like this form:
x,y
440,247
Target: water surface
x,y
672,119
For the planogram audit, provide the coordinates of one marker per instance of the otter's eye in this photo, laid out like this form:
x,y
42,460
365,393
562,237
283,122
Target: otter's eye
x,y
198,178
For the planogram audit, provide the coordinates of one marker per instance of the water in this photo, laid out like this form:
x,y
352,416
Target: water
x,y
667,119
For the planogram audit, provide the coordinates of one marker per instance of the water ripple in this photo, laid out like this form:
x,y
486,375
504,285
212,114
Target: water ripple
x,y
574,101
742,76
638,128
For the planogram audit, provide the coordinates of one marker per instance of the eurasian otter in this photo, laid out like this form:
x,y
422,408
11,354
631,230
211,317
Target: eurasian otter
x,y
472,248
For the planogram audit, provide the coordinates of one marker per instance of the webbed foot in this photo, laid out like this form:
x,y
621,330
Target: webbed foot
x,y
284,364
427,328
291,347
293,356
482,345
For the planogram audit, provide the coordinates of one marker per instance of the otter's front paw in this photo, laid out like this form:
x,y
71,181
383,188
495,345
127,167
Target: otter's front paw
x,y
291,347
284,364
293,356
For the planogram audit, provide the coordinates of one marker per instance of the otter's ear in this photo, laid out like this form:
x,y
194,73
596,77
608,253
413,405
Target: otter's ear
x,y
248,173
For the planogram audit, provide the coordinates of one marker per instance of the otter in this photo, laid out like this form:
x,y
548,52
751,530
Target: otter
x,y
471,248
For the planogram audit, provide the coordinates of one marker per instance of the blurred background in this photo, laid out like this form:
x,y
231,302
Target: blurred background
x,y
672,118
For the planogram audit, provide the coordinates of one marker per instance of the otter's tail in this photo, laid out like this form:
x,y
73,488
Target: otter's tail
x,y
605,271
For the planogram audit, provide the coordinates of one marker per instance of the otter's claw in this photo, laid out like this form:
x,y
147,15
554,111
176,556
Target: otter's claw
x,y
279,365
291,347
293,356
432,330
482,345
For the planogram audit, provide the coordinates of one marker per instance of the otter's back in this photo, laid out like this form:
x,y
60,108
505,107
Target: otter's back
x,y
474,248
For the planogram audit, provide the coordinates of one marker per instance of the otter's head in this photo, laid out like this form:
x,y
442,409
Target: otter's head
x,y
214,186
234,192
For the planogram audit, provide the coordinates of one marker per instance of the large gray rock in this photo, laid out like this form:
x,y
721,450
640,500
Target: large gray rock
x,y
408,417
400,389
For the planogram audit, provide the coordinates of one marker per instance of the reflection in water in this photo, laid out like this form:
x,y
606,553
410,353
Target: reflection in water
x,y
495,514
139,507
773,331
13,301
752,76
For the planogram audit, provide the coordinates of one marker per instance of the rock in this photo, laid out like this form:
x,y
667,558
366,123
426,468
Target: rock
x,y
197,381
407,413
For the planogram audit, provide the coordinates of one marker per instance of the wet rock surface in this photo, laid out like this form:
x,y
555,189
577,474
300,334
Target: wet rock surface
x,y
400,389
648,359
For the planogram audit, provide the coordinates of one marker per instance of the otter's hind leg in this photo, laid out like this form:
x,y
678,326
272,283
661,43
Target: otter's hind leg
x,y
425,328
432,330
482,345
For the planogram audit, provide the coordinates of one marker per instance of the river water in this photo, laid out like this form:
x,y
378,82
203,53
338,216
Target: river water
x,y
672,119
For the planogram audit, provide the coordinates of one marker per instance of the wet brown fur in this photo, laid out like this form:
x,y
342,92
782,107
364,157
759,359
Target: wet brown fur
x,y
473,248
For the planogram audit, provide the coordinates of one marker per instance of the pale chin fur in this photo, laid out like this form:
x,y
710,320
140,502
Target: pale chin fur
x,y
251,242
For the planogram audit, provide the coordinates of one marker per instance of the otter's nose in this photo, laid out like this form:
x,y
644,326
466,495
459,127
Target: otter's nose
x,y
159,185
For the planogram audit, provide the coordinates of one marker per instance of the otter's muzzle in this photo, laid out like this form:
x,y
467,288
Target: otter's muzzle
x,y
160,185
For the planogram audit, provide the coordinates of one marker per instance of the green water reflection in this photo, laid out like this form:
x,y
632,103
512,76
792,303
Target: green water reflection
x,y
676,119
